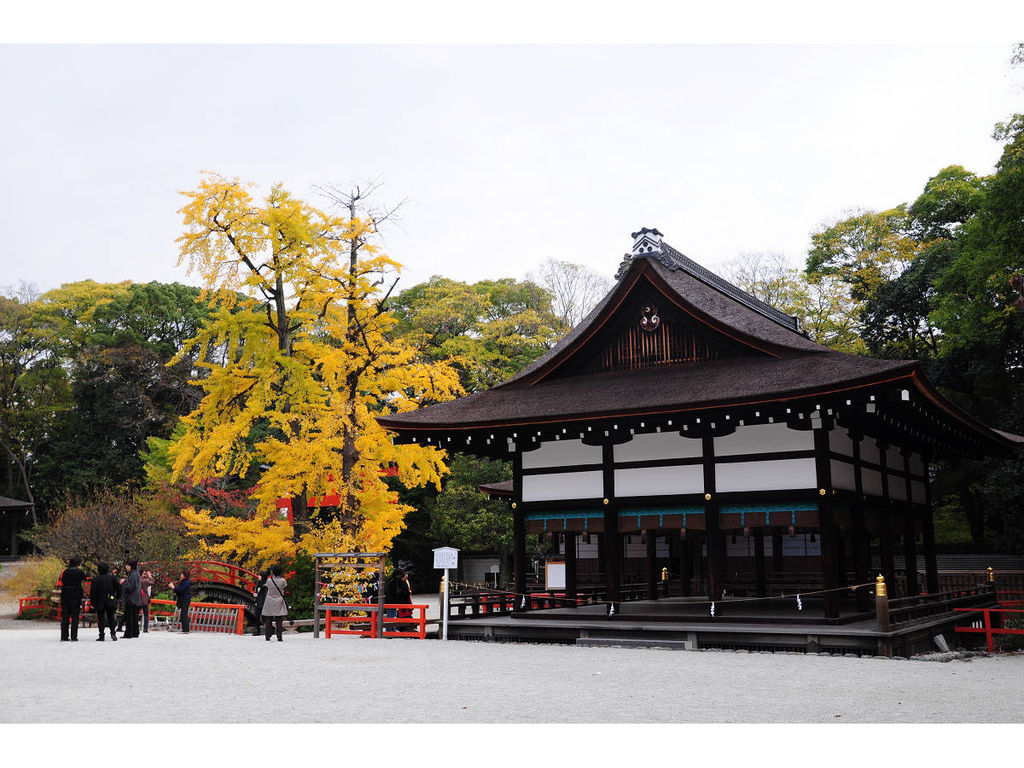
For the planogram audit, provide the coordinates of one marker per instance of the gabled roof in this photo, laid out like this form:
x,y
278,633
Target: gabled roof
x,y
770,360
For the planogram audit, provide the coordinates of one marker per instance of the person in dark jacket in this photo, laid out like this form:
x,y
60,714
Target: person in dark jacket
x,y
131,594
147,590
103,590
71,594
261,596
396,592
183,599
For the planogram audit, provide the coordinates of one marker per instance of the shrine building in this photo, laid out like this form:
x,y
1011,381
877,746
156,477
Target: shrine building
x,y
686,424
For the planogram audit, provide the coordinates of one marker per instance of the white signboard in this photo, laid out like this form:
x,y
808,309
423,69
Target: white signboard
x,y
554,576
446,557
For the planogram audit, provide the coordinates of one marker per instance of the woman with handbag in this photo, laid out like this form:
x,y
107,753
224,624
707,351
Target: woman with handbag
x,y
275,607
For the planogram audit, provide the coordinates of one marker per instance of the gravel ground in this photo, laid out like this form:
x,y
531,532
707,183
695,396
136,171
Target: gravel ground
x,y
205,678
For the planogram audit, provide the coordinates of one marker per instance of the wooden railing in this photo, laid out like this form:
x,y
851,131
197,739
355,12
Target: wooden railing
x,y
483,603
904,610
365,624
226,618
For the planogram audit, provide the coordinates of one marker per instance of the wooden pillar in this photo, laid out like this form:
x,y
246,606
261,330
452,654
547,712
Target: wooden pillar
x,y
760,576
861,538
861,554
685,564
612,538
826,522
652,564
909,533
885,544
518,534
519,558
570,568
716,544
931,565
777,563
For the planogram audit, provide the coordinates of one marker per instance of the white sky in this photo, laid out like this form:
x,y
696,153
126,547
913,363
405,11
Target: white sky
x,y
506,155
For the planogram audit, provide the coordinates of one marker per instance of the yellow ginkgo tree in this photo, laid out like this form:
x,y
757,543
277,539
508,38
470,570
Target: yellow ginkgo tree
x,y
299,360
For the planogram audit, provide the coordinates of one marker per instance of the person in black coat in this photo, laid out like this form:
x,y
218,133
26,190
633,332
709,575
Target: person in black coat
x,y
183,599
131,595
71,594
103,590
261,596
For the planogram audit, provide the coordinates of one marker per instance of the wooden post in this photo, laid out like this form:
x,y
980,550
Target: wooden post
x,y
685,564
652,565
861,555
713,532
380,596
931,565
519,559
316,599
909,533
882,615
612,538
885,545
571,593
760,578
826,523
777,562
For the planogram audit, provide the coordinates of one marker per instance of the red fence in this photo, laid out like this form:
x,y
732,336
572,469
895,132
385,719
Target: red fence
x,y
226,618
991,626
366,626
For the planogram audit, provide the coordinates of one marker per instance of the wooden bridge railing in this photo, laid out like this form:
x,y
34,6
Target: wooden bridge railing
x,y
365,624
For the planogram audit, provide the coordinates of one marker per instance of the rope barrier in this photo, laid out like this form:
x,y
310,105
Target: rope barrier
x,y
798,596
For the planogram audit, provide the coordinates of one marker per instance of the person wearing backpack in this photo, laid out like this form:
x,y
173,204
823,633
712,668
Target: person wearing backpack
x,y
275,607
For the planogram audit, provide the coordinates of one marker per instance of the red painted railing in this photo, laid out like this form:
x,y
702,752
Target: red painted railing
x,y
337,614
987,627
226,618
216,572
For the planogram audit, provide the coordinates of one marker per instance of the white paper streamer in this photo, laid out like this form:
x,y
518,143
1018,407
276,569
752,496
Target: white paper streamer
x,y
799,603
712,610
611,609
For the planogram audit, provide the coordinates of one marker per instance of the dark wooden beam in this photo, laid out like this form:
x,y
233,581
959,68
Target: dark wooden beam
x,y
652,565
612,538
570,568
713,532
826,523
760,575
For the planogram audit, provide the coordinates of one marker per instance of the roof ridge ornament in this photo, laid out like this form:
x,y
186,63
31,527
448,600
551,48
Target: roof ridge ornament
x,y
646,241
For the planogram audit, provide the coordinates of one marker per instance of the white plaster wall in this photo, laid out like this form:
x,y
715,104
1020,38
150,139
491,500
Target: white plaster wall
x,y
562,453
843,476
917,489
872,480
763,438
563,485
839,441
897,487
868,450
893,458
587,551
654,481
663,445
916,465
765,475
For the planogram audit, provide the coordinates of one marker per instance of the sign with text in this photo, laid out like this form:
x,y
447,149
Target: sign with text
x,y
446,557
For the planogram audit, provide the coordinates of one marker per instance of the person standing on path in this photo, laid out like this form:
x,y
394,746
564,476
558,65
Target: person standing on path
x,y
261,597
147,589
183,599
275,608
397,592
71,593
103,590
131,593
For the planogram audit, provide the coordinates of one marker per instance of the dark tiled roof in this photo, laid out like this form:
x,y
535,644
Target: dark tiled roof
x,y
696,290
13,504
671,388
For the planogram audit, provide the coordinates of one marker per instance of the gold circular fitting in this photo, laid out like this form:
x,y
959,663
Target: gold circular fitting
x,y
821,491
707,497
514,505
604,501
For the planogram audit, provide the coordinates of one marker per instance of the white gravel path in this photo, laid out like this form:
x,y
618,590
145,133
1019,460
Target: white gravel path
x,y
203,678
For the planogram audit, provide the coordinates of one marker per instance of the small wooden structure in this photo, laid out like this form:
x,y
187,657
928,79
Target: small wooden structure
x,y
686,425
328,561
